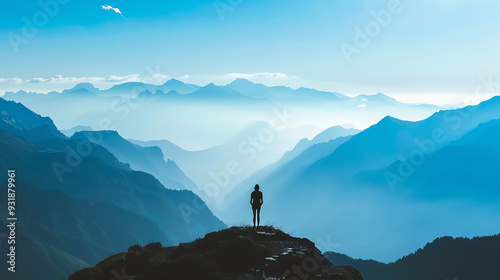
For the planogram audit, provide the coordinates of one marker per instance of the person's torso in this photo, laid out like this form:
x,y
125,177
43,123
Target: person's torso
x,y
256,196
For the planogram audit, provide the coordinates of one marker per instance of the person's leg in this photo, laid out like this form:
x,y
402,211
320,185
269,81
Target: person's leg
x,y
254,210
258,216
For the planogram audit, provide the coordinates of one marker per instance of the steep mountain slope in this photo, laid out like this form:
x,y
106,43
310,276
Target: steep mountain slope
x,y
74,233
274,177
444,258
441,194
89,177
34,256
147,159
254,146
465,168
235,253
17,119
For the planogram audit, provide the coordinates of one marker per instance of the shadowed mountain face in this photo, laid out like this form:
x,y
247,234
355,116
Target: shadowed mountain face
x,y
147,159
444,258
235,253
90,177
58,234
17,119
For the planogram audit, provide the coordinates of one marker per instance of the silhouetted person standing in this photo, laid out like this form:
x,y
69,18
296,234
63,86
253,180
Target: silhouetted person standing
x,y
256,200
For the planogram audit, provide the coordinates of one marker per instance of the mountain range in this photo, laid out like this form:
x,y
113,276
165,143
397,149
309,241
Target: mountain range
x,y
138,109
381,192
409,180
78,203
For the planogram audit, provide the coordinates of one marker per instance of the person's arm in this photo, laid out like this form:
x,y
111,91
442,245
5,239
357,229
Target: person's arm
x,y
251,198
261,199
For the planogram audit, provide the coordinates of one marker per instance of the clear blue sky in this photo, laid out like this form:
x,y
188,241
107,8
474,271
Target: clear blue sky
x,y
429,48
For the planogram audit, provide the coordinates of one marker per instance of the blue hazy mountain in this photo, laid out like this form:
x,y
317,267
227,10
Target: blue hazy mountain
x,y
158,95
98,174
126,107
17,119
73,130
210,165
134,88
447,190
383,143
464,168
77,178
444,258
213,92
147,159
276,175
485,136
130,89
87,86
256,90
178,86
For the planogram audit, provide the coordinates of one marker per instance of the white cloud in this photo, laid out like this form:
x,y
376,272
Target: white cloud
x,y
108,7
15,80
59,79
362,106
265,75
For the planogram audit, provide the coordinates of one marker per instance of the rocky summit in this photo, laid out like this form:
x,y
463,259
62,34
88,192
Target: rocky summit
x,y
234,253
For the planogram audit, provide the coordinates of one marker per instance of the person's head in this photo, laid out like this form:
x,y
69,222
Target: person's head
x,y
257,187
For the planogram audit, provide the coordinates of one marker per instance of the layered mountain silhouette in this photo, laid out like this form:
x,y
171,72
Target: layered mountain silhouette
x,y
80,203
277,174
209,165
125,106
17,119
147,159
444,258
412,180
234,253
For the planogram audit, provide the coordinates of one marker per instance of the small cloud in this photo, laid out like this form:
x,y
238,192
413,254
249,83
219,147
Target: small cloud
x,y
59,79
185,77
362,106
265,75
7,80
108,7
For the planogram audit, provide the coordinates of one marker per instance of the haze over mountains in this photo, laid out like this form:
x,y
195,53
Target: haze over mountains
x,y
414,174
196,118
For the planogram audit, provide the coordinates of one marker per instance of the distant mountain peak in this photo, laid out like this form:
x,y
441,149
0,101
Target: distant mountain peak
x,y
87,86
211,85
173,82
241,81
390,119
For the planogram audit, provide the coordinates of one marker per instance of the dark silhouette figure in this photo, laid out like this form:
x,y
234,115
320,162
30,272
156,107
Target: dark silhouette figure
x,y
256,200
